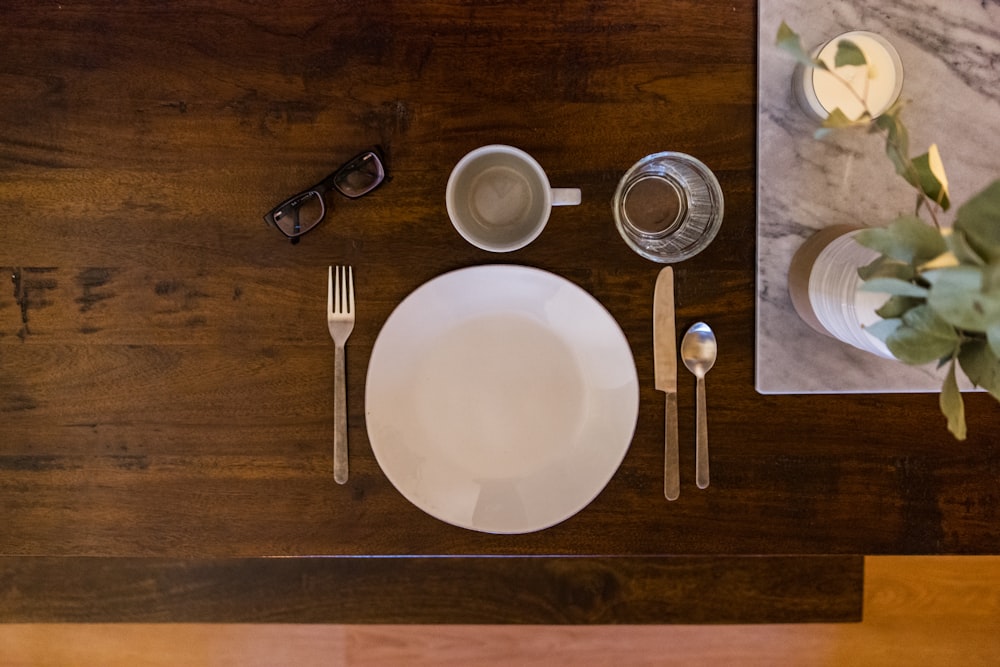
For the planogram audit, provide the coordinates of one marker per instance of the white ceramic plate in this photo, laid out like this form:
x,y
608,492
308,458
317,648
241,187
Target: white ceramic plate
x,y
501,398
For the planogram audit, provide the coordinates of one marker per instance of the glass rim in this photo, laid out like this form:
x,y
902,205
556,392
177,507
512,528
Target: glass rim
x,y
692,235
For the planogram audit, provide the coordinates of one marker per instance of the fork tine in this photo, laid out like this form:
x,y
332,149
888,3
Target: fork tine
x,y
350,290
338,284
340,291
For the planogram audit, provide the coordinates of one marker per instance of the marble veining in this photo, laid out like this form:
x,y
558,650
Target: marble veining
x,y
951,61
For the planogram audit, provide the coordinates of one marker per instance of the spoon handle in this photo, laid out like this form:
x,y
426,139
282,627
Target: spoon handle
x,y
701,452
671,465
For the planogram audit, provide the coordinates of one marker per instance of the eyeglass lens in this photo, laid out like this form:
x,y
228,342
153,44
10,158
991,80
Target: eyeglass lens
x,y
359,176
300,214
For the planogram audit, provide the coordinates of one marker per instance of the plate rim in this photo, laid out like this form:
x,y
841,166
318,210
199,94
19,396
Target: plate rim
x,y
632,381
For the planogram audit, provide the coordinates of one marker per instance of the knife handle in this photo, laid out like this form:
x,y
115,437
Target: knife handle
x,y
671,465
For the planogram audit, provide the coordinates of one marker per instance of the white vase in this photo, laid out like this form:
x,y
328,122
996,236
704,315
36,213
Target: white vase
x,y
823,284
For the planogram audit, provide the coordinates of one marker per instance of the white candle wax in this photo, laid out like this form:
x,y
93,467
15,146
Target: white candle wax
x,y
824,92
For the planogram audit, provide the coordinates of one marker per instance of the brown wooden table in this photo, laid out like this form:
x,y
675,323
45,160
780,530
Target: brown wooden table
x,y
165,369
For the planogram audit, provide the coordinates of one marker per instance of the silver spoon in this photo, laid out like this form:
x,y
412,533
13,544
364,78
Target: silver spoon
x,y
698,350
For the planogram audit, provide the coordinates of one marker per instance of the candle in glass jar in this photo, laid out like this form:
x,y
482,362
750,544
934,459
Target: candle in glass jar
x,y
823,92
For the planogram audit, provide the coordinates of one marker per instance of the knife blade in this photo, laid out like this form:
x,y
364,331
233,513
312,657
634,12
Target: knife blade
x,y
665,373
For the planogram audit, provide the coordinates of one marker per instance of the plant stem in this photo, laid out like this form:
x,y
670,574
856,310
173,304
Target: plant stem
x,y
914,177
862,100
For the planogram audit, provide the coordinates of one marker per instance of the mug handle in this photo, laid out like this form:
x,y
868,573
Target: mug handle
x,y
565,196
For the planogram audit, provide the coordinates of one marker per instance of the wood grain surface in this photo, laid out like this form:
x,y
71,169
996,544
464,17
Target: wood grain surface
x,y
165,371
458,590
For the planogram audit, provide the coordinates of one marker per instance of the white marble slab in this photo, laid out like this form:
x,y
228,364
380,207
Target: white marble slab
x,y
951,59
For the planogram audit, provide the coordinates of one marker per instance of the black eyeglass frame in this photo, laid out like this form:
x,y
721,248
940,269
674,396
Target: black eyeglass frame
x,y
291,205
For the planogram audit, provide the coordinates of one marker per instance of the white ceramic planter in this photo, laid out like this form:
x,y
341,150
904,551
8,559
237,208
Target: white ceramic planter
x,y
823,284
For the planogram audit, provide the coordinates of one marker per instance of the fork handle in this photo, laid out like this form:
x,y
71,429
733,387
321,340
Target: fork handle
x,y
339,417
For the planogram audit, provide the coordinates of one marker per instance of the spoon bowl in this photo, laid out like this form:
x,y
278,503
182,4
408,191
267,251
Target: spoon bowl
x,y
699,351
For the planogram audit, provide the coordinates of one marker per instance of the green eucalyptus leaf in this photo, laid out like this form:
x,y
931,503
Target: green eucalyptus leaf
x,y
886,267
873,269
897,143
789,41
884,328
786,35
894,286
957,295
889,120
965,278
959,246
991,277
979,220
928,182
838,120
922,337
848,53
993,338
907,239
897,306
952,405
925,319
981,365
944,360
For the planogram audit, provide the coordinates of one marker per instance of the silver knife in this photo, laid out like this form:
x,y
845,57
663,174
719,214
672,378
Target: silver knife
x,y
665,368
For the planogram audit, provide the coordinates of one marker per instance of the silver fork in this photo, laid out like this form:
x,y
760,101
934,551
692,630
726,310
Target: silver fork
x,y
340,321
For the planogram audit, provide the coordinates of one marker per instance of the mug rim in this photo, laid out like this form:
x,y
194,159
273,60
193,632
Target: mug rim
x,y
536,168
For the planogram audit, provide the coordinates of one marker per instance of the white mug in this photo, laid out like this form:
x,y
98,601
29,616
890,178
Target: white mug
x,y
499,198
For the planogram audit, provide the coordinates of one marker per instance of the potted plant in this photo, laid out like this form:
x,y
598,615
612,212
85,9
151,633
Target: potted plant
x,y
941,281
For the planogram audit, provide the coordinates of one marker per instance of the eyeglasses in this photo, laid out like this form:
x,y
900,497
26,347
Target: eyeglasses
x,y
297,215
